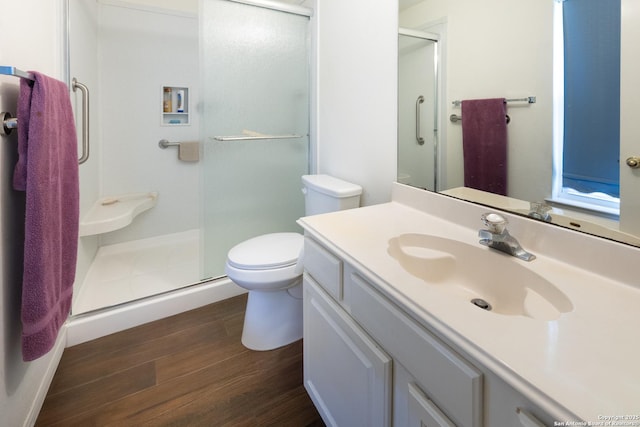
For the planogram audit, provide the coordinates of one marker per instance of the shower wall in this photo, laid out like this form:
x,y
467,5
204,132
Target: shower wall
x,y
125,52
140,51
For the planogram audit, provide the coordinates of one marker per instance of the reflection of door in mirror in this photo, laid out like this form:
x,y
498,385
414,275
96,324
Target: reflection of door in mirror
x,y
417,137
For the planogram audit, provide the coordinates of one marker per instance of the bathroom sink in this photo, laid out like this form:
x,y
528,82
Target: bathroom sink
x,y
488,279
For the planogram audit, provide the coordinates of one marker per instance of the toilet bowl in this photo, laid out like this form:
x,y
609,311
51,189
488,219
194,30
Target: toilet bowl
x,y
270,268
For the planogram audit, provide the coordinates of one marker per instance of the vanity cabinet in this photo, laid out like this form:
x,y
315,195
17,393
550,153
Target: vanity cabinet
x,y
348,332
347,375
423,412
452,383
368,362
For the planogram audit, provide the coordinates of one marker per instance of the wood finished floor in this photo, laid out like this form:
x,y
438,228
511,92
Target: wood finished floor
x,y
185,370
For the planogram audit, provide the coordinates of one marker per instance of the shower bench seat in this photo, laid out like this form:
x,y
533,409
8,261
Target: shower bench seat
x,y
115,212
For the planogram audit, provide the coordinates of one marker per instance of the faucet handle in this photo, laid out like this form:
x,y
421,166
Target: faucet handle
x,y
494,222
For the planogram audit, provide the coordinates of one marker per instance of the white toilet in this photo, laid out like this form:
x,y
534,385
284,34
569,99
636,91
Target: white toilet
x,y
270,268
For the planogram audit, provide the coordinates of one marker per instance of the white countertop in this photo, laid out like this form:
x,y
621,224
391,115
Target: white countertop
x,y
583,366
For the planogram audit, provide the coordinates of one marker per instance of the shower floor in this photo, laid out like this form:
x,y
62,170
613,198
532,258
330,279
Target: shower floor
x,y
129,271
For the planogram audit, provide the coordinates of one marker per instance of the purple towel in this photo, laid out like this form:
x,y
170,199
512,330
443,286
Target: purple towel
x,y
47,170
484,142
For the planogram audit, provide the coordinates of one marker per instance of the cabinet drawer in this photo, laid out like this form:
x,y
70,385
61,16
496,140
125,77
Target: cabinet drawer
x,y
453,384
324,267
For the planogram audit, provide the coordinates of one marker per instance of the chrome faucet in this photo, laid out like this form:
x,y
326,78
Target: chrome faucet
x,y
497,237
540,210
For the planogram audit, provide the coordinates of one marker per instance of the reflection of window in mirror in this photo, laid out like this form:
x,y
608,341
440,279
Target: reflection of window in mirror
x,y
587,104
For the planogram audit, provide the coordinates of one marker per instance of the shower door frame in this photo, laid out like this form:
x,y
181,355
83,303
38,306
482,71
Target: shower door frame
x,y
435,39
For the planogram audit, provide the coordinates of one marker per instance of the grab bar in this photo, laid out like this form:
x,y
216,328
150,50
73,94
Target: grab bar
x,y
419,101
75,84
252,138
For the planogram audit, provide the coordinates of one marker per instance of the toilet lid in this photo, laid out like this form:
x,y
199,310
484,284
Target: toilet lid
x,y
267,251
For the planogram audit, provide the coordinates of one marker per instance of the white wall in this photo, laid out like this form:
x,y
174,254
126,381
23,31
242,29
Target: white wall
x,y
356,105
498,48
31,35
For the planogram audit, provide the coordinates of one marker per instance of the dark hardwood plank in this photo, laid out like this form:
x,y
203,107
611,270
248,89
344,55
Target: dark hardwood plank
x,y
291,408
242,397
186,370
92,396
156,329
84,370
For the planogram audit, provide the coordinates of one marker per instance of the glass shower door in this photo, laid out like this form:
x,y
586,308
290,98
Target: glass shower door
x,y
255,124
417,142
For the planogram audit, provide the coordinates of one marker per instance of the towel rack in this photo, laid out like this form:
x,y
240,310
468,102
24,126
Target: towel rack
x,y
163,143
9,123
454,118
528,99
13,71
252,138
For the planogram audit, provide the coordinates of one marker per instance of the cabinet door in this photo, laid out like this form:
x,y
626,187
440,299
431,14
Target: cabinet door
x,y
346,374
423,412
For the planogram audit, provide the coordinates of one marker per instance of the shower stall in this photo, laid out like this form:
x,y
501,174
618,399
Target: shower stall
x,y
229,79
418,155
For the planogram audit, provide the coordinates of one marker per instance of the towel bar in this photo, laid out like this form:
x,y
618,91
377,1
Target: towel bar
x,y
9,123
528,99
163,143
252,138
454,118
13,71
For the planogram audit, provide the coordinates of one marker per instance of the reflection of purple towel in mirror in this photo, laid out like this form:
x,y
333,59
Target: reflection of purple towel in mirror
x,y
484,142
47,170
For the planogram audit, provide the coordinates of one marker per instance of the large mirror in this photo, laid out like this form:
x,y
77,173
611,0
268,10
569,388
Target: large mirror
x,y
505,49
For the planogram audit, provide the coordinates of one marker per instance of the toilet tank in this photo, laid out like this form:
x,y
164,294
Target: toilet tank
x,y
324,193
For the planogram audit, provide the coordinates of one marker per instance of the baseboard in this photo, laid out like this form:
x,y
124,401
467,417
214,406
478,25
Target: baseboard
x,y
90,326
54,356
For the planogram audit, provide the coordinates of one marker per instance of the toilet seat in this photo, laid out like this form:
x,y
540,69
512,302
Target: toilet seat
x,y
266,252
267,262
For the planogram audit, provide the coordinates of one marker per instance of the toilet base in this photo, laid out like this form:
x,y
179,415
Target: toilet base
x,y
272,320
